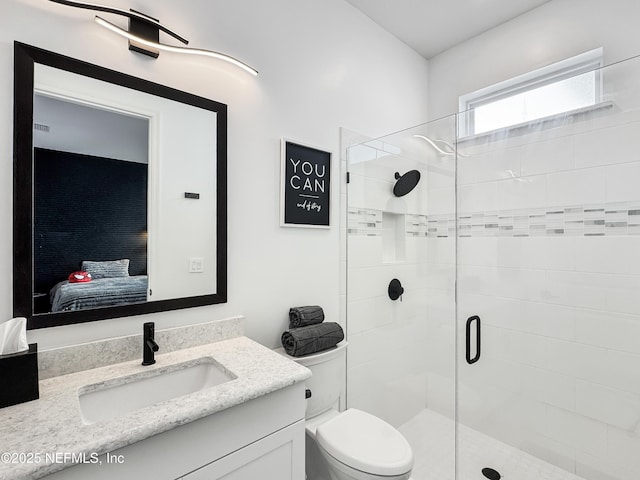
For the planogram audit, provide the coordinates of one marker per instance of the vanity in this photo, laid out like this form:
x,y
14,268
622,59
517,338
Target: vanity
x,y
241,418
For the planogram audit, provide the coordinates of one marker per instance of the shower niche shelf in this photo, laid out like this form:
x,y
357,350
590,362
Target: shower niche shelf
x,y
394,245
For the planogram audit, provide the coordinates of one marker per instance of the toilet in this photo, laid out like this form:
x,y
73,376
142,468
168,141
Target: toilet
x,y
353,445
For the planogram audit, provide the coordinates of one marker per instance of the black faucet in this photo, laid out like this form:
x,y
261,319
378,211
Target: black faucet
x,y
149,345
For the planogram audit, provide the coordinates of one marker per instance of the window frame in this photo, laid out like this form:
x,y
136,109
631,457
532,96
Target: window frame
x,y
590,61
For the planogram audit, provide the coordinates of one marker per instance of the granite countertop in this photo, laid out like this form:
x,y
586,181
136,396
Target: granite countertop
x,y
53,424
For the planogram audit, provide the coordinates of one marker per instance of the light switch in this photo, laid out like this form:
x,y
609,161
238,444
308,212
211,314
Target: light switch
x,y
196,265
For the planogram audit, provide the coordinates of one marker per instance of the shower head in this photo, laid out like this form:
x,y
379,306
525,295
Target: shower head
x,y
405,183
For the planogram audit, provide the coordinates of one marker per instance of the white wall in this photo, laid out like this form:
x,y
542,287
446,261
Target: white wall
x,y
554,31
112,135
322,65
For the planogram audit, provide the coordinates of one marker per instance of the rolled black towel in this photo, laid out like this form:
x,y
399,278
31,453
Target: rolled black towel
x,y
298,342
303,316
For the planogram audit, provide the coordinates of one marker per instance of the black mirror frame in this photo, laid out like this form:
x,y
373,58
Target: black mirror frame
x,y
25,56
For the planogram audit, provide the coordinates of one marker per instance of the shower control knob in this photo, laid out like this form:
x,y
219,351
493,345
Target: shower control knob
x,y
395,289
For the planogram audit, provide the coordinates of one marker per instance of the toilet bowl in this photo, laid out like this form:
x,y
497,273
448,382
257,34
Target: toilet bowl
x,y
361,446
354,445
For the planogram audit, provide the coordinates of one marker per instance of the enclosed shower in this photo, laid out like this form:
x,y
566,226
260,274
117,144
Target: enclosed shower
x,y
511,345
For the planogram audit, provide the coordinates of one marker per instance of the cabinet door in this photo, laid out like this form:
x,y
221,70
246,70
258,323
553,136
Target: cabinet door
x,y
279,456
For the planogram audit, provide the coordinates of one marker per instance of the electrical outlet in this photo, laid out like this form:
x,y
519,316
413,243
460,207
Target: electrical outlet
x,y
196,265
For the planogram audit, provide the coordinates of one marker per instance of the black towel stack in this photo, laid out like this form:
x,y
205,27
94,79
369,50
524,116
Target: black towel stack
x,y
308,334
303,316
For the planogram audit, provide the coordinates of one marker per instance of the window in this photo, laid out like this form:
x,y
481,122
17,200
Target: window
x,y
562,87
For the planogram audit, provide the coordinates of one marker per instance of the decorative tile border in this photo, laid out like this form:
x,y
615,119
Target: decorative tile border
x,y
611,219
416,225
364,222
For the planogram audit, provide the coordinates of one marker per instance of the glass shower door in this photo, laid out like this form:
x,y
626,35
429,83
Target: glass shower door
x,y
548,303
400,288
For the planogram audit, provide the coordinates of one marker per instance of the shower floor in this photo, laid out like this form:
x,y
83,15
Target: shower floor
x,y
431,436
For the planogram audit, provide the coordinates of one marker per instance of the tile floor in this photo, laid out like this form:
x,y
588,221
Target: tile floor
x,y
432,437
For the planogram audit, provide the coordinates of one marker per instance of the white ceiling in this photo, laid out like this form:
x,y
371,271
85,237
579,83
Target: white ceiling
x,y
432,26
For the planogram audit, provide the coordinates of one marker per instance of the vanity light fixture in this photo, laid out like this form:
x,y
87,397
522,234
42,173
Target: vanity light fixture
x,y
144,34
161,46
450,152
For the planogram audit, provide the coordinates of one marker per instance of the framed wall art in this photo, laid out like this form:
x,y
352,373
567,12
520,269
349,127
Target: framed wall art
x,y
305,191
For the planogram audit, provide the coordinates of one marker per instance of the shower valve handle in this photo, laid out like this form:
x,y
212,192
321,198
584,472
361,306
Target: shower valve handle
x,y
395,289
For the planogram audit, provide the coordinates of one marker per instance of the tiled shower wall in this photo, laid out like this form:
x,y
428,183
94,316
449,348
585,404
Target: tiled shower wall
x,y
549,258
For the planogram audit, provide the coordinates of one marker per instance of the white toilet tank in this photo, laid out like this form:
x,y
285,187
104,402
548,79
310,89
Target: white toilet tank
x,y
327,384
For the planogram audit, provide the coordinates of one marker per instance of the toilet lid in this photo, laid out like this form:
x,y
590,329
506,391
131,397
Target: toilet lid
x,y
366,443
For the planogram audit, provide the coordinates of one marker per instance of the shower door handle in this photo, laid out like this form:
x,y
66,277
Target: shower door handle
x,y
470,320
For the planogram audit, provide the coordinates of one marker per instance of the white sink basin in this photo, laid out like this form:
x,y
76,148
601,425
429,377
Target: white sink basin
x,y
123,395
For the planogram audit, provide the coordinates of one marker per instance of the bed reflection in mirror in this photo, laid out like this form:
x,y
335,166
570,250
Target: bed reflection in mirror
x,y
90,206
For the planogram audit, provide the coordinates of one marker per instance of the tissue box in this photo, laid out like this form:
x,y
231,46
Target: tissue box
x,y
19,377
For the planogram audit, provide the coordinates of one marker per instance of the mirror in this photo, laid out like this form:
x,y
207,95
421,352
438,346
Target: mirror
x,y
119,193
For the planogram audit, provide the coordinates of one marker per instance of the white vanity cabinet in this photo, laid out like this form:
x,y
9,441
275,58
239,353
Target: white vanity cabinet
x,y
278,456
261,439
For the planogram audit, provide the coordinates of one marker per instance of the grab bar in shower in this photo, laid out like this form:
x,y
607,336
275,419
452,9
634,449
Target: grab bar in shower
x,y
470,320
